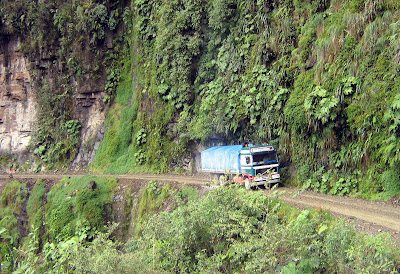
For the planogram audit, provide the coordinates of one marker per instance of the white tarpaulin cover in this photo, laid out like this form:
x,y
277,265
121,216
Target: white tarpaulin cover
x,y
221,159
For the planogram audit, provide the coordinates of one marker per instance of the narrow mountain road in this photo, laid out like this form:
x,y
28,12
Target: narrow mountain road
x,y
372,217
156,177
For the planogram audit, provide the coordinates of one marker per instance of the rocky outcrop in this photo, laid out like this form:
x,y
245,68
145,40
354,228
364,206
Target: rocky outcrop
x,y
19,107
17,100
92,118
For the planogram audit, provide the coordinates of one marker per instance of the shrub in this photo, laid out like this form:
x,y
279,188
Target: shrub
x,y
12,202
35,207
390,181
231,230
75,203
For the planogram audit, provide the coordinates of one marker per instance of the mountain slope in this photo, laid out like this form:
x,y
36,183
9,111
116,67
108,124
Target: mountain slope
x,y
317,79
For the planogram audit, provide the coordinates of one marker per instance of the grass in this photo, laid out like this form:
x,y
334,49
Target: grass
x,y
35,205
78,202
150,201
12,202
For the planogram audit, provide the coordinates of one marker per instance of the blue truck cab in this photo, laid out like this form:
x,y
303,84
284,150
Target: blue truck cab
x,y
260,164
251,165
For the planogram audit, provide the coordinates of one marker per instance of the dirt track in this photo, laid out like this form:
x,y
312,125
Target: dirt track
x,y
371,217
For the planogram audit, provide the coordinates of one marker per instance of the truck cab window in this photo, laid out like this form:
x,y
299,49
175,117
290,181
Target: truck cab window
x,y
265,157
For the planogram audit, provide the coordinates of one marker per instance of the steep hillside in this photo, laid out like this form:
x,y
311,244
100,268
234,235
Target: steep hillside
x,y
319,79
93,224
54,62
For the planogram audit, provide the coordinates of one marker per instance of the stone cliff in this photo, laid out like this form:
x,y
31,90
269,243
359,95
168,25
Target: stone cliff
x,y
19,106
17,99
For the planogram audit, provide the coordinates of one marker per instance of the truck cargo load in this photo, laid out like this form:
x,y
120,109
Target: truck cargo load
x,y
221,159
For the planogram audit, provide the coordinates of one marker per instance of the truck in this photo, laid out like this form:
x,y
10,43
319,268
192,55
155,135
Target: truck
x,y
246,164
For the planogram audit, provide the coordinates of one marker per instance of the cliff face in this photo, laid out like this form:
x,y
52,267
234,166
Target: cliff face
x,y
58,67
90,111
318,79
18,106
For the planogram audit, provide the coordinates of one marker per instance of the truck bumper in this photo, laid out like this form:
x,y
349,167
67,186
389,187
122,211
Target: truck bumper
x,y
272,179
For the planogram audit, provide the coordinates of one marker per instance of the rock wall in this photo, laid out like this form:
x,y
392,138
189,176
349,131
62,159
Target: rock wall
x,y
17,99
19,108
92,117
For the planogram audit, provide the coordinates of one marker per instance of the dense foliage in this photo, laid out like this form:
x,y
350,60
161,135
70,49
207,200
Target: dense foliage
x,y
78,203
66,42
234,231
319,79
228,230
73,206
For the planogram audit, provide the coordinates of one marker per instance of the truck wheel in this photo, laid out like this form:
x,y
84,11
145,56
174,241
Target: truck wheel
x,y
214,176
222,180
247,184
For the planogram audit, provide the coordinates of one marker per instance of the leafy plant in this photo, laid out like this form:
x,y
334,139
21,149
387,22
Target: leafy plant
x,y
247,235
390,181
35,208
320,107
78,202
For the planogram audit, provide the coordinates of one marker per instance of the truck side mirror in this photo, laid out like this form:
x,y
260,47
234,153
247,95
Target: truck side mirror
x,y
247,160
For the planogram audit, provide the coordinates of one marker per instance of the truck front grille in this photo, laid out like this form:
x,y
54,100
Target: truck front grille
x,y
266,171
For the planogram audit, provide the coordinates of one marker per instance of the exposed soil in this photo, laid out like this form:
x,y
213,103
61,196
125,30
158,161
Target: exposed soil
x,y
371,217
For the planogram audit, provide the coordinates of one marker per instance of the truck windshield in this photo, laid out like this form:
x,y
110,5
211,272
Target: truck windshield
x,y
265,157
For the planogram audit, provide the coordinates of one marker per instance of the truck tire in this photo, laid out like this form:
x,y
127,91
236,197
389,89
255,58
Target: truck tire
x,y
247,183
222,180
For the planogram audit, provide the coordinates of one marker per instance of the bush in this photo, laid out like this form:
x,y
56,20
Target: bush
x,y
35,207
390,181
231,230
12,202
76,203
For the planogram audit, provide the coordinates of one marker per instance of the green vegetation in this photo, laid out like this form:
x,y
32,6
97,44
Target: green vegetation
x,y
12,201
76,204
74,215
35,222
318,79
35,207
227,230
231,230
116,154
101,255
150,201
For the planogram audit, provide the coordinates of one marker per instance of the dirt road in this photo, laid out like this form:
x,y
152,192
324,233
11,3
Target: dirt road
x,y
372,217
183,179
